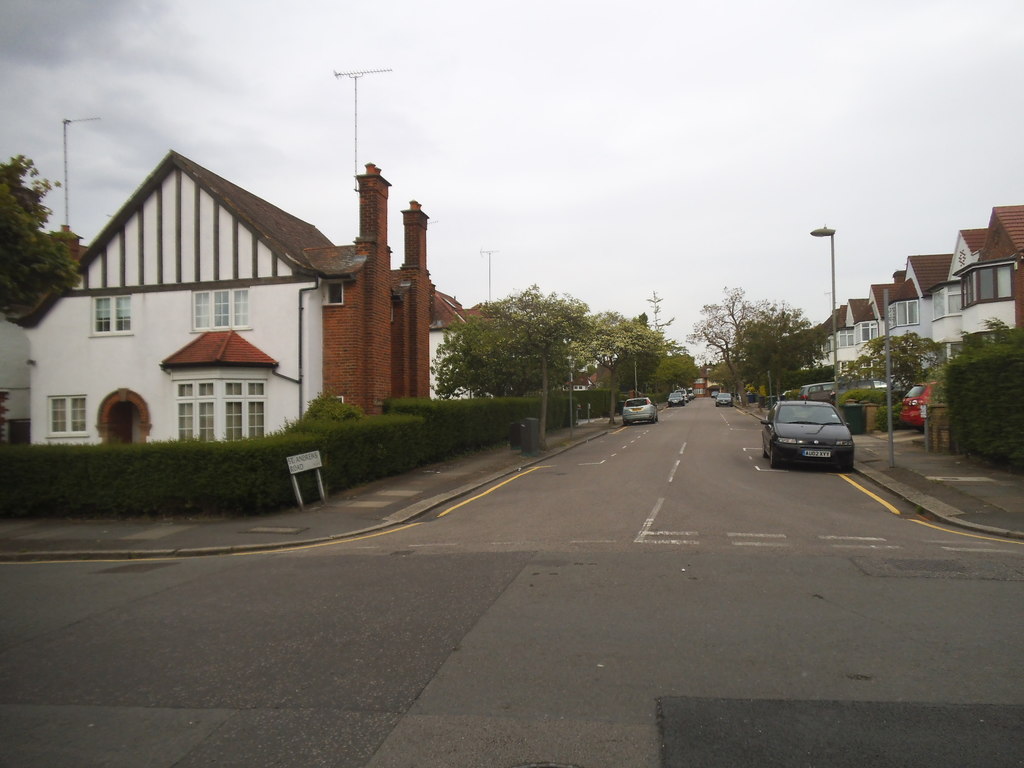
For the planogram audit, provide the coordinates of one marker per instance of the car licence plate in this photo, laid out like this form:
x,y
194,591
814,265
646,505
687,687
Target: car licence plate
x,y
815,454
635,410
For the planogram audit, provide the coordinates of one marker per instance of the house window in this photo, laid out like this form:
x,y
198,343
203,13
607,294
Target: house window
x,y
988,284
220,309
228,410
335,293
946,301
112,314
903,313
846,337
67,415
867,331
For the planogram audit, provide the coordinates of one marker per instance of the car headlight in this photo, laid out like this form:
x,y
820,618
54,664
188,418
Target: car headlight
x,y
844,442
788,440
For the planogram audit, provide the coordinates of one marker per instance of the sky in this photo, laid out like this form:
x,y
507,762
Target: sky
x,y
613,152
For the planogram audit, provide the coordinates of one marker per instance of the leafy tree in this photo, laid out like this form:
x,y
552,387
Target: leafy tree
x,y
539,329
475,360
676,371
721,328
776,339
613,339
512,348
32,262
914,359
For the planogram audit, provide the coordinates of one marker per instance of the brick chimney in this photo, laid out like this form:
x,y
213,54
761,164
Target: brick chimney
x,y
412,372
415,221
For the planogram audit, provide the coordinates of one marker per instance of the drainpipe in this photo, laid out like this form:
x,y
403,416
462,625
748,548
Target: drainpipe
x,y
302,309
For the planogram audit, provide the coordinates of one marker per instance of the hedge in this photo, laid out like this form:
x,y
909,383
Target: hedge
x,y
985,394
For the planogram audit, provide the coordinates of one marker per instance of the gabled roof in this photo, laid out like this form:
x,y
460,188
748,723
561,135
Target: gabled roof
x,y
285,234
861,310
447,311
930,270
975,238
1005,233
219,348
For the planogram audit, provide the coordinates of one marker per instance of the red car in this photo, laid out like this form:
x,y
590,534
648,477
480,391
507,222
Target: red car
x,y
915,405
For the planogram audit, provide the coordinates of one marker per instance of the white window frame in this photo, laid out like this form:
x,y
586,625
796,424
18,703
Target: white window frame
x,y
207,405
867,331
846,337
220,309
903,313
115,312
335,287
74,422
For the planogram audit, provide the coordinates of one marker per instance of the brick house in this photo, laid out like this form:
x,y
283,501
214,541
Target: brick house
x,y
205,312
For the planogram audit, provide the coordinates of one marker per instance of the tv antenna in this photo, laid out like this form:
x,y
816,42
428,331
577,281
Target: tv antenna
x,y
488,255
354,76
68,122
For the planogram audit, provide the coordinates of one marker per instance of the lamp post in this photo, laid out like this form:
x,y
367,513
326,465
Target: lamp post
x,y
831,235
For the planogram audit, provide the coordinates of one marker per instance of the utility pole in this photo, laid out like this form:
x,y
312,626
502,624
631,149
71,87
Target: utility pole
x,y
488,255
67,122
354,76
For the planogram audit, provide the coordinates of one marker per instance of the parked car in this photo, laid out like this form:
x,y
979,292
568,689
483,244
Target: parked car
x,y
638,409
821,391
677,398
806,431
915,405
723,398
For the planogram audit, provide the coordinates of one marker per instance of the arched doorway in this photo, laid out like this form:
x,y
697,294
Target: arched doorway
x,y
124,418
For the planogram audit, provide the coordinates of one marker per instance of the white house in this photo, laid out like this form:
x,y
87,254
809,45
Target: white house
x,y
206,312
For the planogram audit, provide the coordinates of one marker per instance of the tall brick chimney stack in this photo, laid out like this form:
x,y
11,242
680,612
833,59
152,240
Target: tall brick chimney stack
x,y
374,306
415,221
415,368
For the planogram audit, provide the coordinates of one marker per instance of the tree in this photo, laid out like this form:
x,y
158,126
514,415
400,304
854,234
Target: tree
x,y
721,328
676,371
540,329
913,359
776,340
511,347
474,359
32,262
612,339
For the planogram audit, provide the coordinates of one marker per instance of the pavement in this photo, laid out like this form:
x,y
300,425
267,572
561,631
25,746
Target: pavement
x,y
956,490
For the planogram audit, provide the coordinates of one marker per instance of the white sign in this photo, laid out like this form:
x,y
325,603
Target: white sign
x,y
304,461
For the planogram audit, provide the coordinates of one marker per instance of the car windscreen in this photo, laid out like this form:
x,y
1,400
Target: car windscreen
x,y
798,415
635,403
915,391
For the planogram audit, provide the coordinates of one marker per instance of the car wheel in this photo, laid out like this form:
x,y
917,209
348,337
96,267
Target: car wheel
x,y
773,460
846,466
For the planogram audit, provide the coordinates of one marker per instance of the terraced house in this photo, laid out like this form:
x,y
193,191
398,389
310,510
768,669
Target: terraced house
x,y
205,312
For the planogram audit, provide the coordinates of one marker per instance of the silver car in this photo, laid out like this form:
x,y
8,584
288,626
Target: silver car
x,y
638,409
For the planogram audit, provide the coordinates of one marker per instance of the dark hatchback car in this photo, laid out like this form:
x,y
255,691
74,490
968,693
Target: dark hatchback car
x,y
677,399
809,432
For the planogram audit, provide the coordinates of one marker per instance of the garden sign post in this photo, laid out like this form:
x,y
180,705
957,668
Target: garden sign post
x,y
303,463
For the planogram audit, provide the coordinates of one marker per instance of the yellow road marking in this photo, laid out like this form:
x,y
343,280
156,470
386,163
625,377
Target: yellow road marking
x,y
300,547
969,535
881,501
489,490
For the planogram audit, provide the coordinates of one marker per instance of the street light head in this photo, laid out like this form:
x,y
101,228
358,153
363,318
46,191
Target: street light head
x,y
823,232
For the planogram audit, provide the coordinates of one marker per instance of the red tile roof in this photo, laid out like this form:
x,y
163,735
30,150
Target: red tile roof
x,y
219,348
931,270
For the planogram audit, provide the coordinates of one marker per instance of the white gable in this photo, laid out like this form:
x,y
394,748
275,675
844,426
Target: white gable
x,y
178,234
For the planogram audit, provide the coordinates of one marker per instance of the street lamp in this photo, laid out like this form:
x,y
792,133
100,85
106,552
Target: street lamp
x,y
831,235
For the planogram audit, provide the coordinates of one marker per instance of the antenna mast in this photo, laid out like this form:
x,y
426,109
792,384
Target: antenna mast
x,y
67,122
488,255
355,111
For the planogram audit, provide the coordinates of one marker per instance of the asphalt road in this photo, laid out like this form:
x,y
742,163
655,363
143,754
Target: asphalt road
x,y
657,597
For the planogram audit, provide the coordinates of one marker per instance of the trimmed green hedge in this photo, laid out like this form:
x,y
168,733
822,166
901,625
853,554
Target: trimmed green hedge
x,y
985,394
245,477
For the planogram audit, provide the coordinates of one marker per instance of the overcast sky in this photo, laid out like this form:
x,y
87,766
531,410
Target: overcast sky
x,y
609,151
